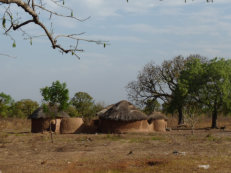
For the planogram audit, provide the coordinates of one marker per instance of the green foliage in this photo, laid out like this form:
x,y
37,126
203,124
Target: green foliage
x,y
6,103
151,106
14,44
159,82
208,83
24,108
85,105
72,112
56,95
4,22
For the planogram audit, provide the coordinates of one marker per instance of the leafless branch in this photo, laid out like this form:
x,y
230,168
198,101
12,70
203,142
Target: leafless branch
x,y
35,10
6,55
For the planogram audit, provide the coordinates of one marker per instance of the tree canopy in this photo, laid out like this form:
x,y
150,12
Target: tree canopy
x,y
24,108
6,102
85,104
209,84
56,95
158,82
193,83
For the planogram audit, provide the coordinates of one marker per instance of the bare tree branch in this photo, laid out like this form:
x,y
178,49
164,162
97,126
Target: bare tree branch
x,y
35,10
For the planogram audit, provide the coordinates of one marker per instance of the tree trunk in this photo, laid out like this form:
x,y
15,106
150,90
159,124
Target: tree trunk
x,y
180,116
214,119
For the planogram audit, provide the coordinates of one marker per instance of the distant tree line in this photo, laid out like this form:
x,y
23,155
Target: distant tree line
x,y
56,95
185,85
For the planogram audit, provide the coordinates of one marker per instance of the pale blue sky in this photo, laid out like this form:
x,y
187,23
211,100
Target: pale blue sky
x,y
138,31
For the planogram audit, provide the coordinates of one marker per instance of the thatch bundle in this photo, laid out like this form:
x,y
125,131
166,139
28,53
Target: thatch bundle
x,y
123,111
71,125
104,110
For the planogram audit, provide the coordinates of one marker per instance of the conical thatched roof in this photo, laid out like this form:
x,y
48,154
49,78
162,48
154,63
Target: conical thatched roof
x,y
104,110
157,116
40,113
123,111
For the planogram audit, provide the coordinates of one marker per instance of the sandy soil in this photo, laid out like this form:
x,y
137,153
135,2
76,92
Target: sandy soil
x,y
175,151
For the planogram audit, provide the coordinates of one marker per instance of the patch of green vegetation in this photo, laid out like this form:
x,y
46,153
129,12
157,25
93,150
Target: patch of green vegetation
x,y
157,138
112,137
209,137
138,140
21,134
227,139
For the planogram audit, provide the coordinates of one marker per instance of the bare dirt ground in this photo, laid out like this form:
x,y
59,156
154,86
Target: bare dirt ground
x,y
177,151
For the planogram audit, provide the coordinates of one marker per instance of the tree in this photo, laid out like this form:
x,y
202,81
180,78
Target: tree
x,y
209,84
158,82
6,102
151,106
16,14
56,95
192,112
72,112
84,104
24,108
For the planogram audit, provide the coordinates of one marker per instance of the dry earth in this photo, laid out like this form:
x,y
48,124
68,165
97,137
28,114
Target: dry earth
x,y
177,151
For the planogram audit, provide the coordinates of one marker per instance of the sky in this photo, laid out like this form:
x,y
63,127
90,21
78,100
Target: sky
x,y
138,32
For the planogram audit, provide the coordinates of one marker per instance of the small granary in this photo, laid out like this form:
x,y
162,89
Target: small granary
x,y
43,121
159,121
123,117
71,125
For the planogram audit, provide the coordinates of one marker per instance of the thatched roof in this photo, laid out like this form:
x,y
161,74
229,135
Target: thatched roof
x,y
104,110
157,116
123,111
40,113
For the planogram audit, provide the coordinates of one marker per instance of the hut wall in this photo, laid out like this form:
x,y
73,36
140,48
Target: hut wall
x,y
160,125
151,127
110,126
71,125
39,125
55,125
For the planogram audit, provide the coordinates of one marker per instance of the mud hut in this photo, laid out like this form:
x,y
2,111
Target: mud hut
x,y
71,125
43,121
159,121
123,117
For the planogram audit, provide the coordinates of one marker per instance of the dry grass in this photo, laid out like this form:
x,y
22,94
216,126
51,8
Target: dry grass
x,y
177,151
14,124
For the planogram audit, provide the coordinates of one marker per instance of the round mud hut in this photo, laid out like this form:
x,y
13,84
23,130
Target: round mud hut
x,y
158,121
71,125
123,117
43,121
